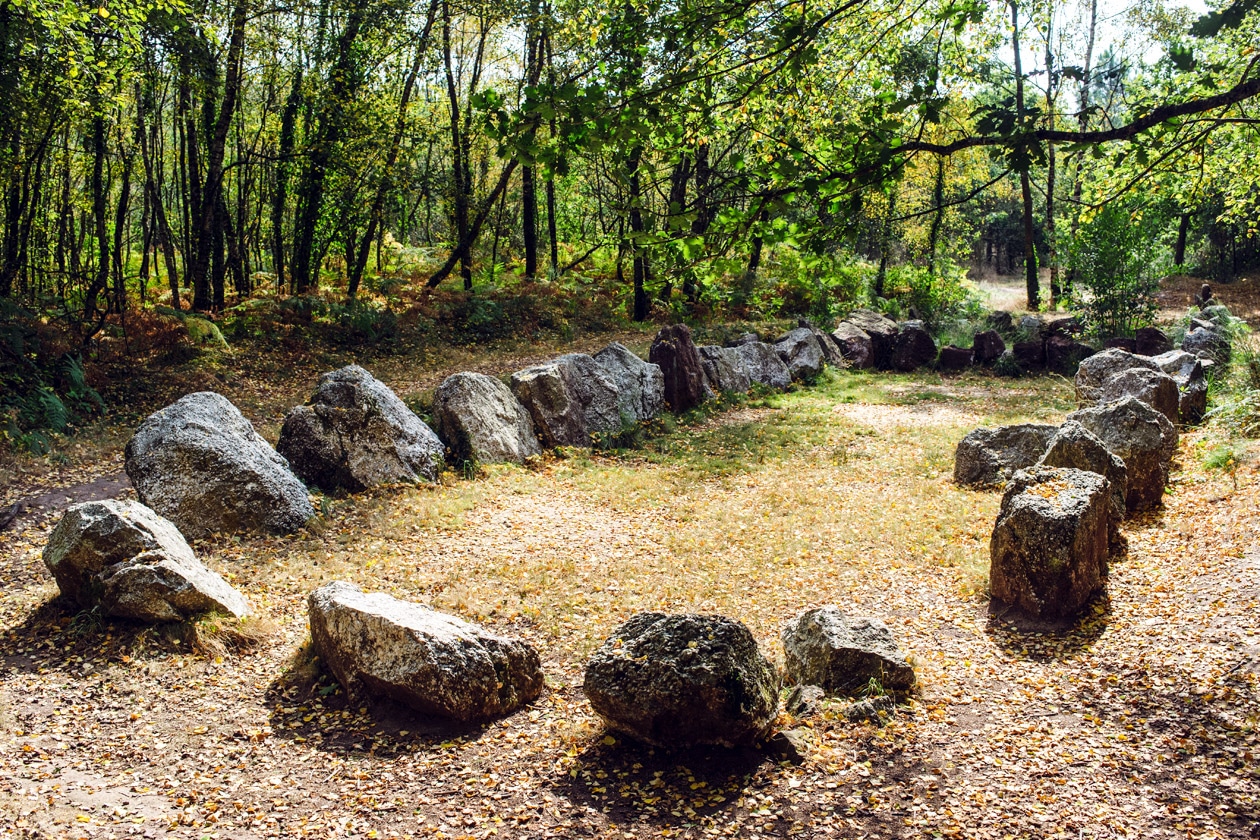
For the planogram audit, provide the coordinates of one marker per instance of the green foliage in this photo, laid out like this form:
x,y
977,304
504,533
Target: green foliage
x,y
1118,260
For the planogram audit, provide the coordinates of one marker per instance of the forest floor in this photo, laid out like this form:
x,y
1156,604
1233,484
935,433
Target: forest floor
x,y
1140,720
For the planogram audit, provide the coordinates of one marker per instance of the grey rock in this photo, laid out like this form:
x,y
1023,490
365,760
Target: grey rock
x,y
1208,343
790,745
356,433
480,420
1187,371
876,710
640,385
1074,447
987,346
570,399
746,338
987,457
200,464
675,352
855,346
1153,387
827,648
802,354
1048,553
1152,341
1141,437
437,664
882,331
827,344
764,366
724,369
683,680
123,558
1217,313
1032,327
804,700
1096,369
913,348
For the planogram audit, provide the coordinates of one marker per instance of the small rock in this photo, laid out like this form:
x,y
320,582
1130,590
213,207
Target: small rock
x,y
479,418
1152,341
876,710
1001,321
843,655
570,399
987,457
913,347
377,645
1208,343
953,358
1141,437
764,366
746,338
1032,327
804,700
640,385
790,745
676,354
724,369
855,346
986,347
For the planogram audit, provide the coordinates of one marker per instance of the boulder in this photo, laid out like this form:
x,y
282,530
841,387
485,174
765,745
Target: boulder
x,y
913,347
200,464
724,369
480,420
1065,325
882,332
1217,313
1152,341
570,399
986,347
988,456
683,680
827,648
640,385
121,557
1029,355
1141,437
1207,342
746,338
675,353
1048,553
1129,345
1032,327
1000,320
377,645
1153,387
1186,369
830,349
1073,447
801,352
953,358
355,433
764,366
1096,369
1064,354
855,346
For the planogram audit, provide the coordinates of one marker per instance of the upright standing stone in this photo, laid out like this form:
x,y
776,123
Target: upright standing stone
x,y
855,346
1141,437
1074,447
479,418
764,365
882,331
571,399
724,369
1096,369
676,354
640,385
913,348
1186,369
986,347
1153,387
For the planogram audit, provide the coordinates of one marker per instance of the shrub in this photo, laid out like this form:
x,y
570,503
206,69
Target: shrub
x,y
1118,260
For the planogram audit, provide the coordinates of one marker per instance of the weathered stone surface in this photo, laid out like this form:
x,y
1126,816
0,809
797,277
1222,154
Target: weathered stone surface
x,y
640,385
356,433
827,648
1186,369
1152,341
827,344
913,347
986,347
123,558
570,399
1141,437
377,645
855,346
676,354
683,680
479,418
724,369
1064,355
1153,387
1074,447
988,456
1030,355
200,464
801,352
953,358
882,332
1096,369
1048,553
1208,343
764,366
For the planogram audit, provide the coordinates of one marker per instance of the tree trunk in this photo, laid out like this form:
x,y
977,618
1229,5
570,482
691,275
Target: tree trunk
x,y
1031,280
938,217
458,175
639,260
280,197
1183,228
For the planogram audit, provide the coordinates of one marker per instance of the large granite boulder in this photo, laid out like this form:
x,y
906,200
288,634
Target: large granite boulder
x,y
953,358
1096,369
676,354
200,464
683,680
377,645
1208,342
356,433
1186,369
801,352
987,457
571,399
764,366
1153,387
640,385
1141,437
124,559
1074,447
480,420
882,331
986,347
1064,354
724,369
913,348
842,655
855,346
1048,553
1152,341
830,349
